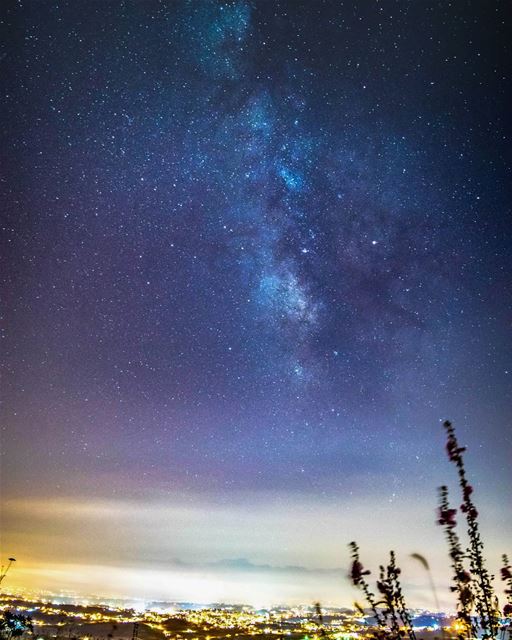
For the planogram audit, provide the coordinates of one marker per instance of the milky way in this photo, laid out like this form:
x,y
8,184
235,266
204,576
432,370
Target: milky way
x,y
254,247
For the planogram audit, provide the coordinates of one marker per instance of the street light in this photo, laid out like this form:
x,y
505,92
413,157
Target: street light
x,y
5,569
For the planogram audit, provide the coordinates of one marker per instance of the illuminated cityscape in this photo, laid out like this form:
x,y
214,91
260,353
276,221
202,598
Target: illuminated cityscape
x,y
68,617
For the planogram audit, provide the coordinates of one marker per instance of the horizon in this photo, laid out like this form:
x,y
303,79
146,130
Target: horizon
x,y
140,606
173,606
255,253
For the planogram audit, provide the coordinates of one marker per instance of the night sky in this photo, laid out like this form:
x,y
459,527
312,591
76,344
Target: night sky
x,y
253,253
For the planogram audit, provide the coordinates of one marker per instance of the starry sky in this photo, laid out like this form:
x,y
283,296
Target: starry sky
x,y
253,252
